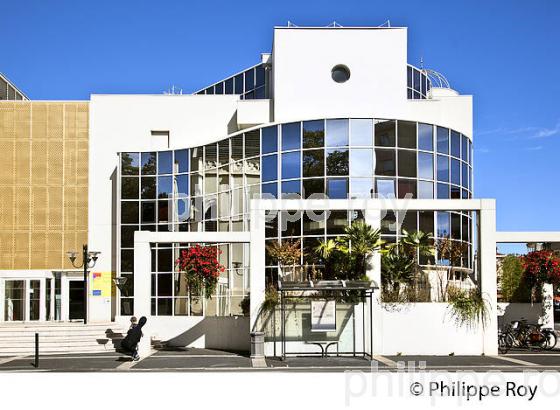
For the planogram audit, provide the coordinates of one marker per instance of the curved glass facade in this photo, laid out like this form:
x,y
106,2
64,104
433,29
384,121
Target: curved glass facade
x,y
251,84
208,188
418,83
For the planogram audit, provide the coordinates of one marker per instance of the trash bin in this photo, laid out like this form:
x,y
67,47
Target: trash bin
x,y
257,345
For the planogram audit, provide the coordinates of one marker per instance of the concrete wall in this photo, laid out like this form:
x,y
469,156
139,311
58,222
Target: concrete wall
x,y
508,312
425,329
230,333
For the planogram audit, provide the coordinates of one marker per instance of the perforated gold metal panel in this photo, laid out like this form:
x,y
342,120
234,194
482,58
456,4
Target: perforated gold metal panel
x,y
43,183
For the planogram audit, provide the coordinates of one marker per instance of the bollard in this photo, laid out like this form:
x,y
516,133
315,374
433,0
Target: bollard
x,y
36,350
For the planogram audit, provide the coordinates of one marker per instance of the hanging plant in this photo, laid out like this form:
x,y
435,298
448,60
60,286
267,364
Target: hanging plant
x,y
468,307
201,268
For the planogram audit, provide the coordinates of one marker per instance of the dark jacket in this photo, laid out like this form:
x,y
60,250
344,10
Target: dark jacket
x,y
134,335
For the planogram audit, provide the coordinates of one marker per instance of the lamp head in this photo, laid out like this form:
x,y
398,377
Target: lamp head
x,y
71,255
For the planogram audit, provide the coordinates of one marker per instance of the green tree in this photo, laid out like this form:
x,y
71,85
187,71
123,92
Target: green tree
x,y
513,286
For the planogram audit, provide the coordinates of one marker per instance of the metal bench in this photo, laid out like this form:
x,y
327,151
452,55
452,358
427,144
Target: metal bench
x,y
324,345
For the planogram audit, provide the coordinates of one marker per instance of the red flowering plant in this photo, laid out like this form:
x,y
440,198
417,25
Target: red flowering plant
x,y
201,268
541,267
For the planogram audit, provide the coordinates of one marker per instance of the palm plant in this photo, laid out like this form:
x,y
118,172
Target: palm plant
x,y
396,269
347,255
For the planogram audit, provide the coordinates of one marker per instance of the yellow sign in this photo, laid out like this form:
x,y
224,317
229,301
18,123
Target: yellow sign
x,y
101,284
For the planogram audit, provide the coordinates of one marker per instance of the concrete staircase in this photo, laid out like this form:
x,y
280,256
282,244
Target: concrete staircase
x,y
18,339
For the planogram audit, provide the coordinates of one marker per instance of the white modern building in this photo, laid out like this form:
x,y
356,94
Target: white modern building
x,y
335,112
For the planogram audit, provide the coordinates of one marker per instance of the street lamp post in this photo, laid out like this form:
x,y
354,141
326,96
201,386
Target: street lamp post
x,y
89,258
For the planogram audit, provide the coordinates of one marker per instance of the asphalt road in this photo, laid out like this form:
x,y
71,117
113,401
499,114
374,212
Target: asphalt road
x,y
195,360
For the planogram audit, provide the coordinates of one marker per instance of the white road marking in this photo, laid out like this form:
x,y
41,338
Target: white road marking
x,y
386,361
516,361
11,359
130,364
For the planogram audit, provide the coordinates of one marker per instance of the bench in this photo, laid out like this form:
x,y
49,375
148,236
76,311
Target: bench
x,y
324,345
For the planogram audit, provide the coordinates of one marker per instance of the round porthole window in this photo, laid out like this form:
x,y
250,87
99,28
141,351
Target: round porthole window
x,y
340,73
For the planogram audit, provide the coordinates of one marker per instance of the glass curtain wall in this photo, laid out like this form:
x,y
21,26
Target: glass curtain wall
x,y
208,188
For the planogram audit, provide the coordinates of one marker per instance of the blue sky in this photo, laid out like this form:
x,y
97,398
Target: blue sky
x,y
505,53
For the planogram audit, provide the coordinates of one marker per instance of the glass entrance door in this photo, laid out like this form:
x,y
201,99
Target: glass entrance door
x,y
76,299
14,300
34,299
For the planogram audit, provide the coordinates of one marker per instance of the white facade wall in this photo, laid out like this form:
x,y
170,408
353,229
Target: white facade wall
x,y
377,58
124,123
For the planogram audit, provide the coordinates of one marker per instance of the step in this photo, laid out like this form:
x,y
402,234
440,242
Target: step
x,y
4,329
64,333
59,342
28,352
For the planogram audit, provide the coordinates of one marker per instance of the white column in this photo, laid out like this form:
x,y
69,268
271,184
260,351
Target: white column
x,y
257,262
64,297
142,274
373,218
487,241
43,300
2,300
548,305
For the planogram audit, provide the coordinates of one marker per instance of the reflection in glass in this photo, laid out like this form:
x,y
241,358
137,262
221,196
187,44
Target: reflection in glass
x,y
361,162
314,134
270,190
407,188
130,163
165,187
129,188
291,136
148,160
425,165
426,222
269,168
129,212
361,132
269,140
455,171
361,188
313,163
182,182
148,214
464,148
442,140
425,137
443,168
315,187
407,134
442,191
337,222
407,163
385,162
290,165
465,175
385,188
337,133
252,145
425,190
182,160
455,144
337,162
443,228
385,133
291,189
337,188
148,189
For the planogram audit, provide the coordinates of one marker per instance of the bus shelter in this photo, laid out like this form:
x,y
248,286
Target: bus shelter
x,y
326,317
